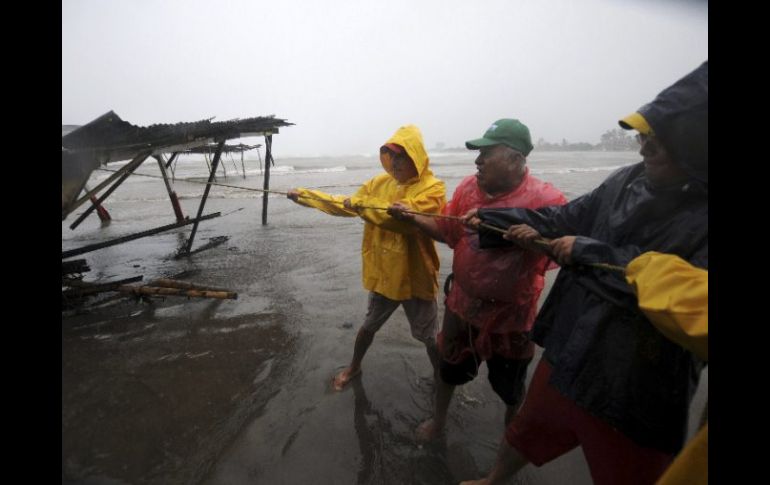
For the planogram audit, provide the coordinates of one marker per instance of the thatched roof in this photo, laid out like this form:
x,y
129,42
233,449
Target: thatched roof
x,y
110,139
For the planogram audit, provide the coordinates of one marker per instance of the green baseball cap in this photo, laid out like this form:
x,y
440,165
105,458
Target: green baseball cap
x,y
509,132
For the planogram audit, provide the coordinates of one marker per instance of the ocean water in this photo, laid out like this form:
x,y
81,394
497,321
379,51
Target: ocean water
x,y
573,172
142,202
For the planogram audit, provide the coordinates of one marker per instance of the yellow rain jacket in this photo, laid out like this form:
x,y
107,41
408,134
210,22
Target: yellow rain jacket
x,y
399,261
673,294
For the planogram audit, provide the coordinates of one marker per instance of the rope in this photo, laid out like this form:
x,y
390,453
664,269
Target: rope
x,y
204,183
542,243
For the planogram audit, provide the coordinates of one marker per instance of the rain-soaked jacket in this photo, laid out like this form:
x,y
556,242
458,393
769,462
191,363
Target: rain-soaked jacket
x,y
605,355
496,290
674,296
399,261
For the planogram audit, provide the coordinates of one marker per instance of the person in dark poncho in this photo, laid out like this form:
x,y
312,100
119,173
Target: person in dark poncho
x,y
608,380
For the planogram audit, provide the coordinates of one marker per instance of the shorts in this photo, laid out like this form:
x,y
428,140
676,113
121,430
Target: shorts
x,y
548,425
507,376
421,314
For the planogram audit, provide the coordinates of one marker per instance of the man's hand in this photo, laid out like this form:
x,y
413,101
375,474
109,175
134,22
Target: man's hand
x,y
562,249
293,194
521,234
347,205
396,211
471,219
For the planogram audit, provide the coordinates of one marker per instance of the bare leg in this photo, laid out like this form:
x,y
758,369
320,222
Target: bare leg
x,y
433,355
364,339
429,429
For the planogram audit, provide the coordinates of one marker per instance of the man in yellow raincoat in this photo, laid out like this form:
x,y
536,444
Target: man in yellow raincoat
x,y
673,294
400,264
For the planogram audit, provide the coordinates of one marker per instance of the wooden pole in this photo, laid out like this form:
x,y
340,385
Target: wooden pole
x,y
125,168
131,237
123,173
243,167
104,216
84,289
74,266
171,160
205,194
184,285
266,183
206,157
171,194
151,290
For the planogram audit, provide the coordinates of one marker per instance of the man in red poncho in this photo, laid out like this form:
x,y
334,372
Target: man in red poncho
x,y
494,293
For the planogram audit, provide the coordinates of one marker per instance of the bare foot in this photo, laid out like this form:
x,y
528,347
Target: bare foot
x,y
428,430
343,378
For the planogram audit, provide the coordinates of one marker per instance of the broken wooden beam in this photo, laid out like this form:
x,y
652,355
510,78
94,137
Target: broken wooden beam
x,y
171,193
213,242
184,285
205,196
74,266
130,167
84,288
131,237
156,290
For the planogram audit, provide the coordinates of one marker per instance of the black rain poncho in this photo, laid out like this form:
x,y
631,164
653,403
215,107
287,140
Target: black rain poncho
x,y
606,356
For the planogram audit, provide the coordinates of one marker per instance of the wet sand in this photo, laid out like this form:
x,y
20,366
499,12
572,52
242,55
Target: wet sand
x,y
236,392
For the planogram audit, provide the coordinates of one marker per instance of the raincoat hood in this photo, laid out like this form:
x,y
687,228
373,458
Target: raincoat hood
x,y
400,262
679,118
409,137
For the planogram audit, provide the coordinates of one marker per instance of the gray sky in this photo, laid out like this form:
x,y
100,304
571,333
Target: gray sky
x,y
349,73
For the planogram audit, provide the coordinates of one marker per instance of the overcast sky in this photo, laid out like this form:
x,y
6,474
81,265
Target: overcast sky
x,y
349,73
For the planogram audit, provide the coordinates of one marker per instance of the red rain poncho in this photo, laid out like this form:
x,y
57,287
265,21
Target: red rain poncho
x,y
496,290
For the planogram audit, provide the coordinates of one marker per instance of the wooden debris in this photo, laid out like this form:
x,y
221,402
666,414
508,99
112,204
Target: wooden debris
x,y
157,290
169,283
74,266
213,242
84,288
120,240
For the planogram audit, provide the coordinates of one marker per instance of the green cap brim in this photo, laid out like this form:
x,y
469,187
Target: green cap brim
x,y
480,143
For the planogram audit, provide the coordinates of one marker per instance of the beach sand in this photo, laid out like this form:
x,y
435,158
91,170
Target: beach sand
x,y
236,392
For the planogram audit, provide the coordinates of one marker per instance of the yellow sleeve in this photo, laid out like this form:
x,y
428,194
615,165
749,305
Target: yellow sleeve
x,y
331,204
673,294
431,200
691,465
